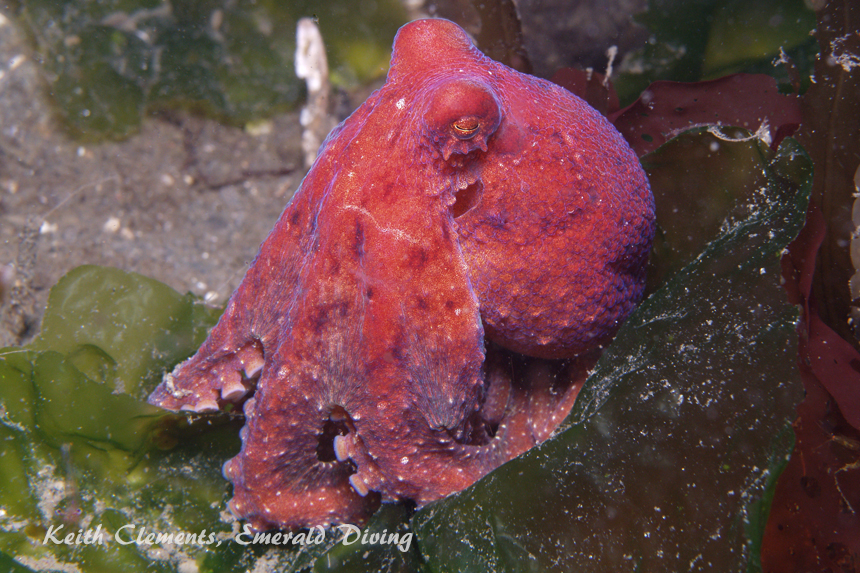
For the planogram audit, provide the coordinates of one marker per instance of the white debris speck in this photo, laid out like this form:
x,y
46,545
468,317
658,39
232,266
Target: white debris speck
x,y
842,56
50,491
112,225
187,566
47,228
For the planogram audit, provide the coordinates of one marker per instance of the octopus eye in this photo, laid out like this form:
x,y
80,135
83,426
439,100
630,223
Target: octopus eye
x,y
466,127
461,116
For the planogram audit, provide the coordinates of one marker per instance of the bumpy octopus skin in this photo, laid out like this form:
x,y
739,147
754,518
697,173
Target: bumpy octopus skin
x,y
427,305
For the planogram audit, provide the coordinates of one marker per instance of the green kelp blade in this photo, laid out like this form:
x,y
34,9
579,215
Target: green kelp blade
x,y
667,453
76,455
122,328
69,408
80,447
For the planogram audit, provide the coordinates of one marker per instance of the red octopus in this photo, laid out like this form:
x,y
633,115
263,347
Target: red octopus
x,y
401,332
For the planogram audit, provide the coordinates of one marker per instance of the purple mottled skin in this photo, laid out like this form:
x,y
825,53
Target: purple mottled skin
x,y
465,218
